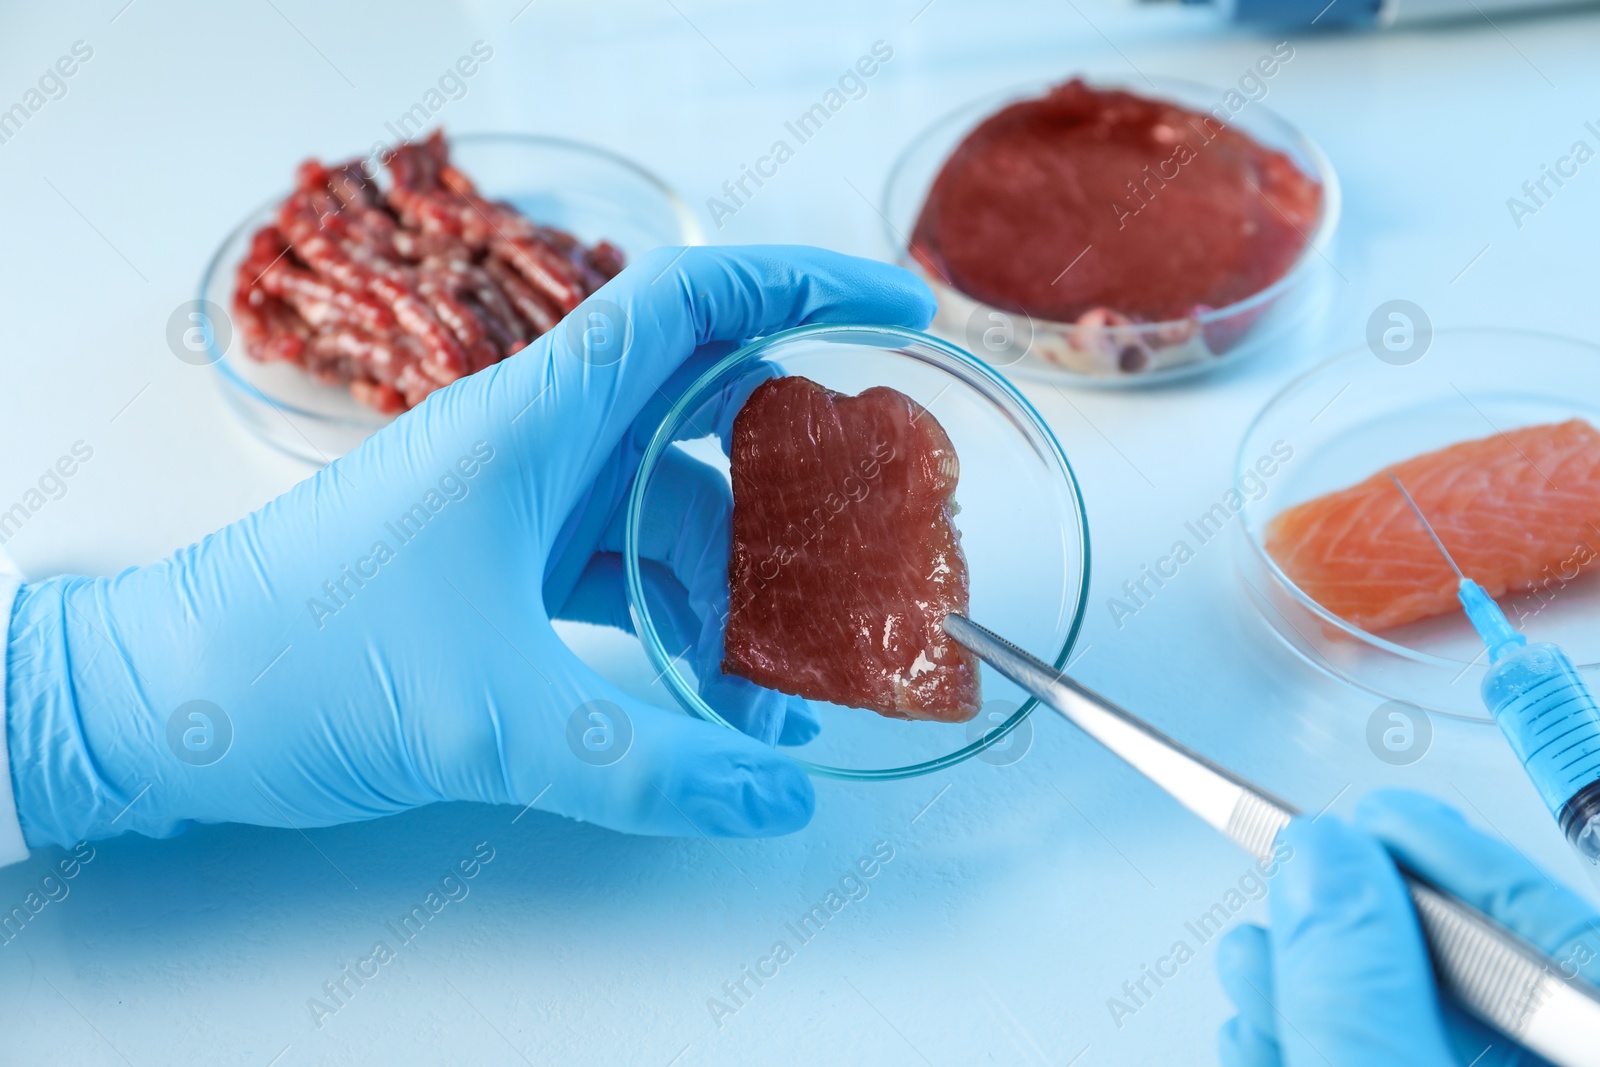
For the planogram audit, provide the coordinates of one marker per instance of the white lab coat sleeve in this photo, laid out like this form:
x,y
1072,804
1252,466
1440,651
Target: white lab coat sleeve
x,y
12,848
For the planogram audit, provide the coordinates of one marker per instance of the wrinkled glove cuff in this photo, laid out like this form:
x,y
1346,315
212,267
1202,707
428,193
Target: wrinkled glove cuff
x,y
61,796
13,849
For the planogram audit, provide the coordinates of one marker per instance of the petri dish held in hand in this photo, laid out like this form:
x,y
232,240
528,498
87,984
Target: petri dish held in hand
x,y
1362,413
1016,506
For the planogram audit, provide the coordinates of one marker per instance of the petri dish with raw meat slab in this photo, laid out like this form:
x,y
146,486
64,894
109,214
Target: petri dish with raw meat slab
x,y
871,479
1108,232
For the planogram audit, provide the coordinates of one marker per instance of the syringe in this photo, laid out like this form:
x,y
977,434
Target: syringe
x,y
1345,14
1542,706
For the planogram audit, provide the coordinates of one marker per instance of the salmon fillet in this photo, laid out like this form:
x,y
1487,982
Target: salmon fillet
x,y
1512,509
846,558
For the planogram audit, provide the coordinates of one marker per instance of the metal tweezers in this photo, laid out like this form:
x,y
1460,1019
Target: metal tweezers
x,y
1491,972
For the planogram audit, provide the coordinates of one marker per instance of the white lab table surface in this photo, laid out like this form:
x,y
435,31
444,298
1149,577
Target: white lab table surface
x,y
1020,898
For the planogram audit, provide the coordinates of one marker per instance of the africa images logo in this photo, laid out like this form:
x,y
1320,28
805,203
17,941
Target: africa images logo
x,y
199,733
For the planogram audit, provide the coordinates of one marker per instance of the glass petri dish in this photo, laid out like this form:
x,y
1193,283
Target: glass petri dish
x,y
1021,518
587,191
1117,355
1356,414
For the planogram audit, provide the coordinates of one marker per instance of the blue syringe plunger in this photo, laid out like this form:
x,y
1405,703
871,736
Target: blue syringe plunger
x,y
1541,704
1490,622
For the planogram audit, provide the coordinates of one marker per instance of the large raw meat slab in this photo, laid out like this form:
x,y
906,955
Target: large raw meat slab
x,y
846,558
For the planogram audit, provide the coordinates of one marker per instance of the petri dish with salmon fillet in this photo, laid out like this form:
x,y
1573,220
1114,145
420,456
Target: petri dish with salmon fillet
x,y
879,478
1496,433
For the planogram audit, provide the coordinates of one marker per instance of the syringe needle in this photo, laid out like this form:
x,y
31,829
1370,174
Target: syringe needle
x,y
1426,525
1485,615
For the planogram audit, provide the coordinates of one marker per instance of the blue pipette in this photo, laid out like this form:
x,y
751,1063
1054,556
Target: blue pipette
x,y
1542,706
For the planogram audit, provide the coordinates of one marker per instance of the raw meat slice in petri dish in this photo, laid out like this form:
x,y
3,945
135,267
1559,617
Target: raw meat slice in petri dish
x,y
846,558
1514,509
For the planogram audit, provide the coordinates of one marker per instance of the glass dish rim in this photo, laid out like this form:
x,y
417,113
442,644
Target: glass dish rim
x,y
662,438
688,225
1327,221
1300,597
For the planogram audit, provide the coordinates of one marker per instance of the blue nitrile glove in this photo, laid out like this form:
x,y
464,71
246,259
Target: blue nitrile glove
x,y
379,637
1343,979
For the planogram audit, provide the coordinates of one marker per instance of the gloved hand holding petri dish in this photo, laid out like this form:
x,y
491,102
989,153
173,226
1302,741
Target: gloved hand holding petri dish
x,y
379,637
